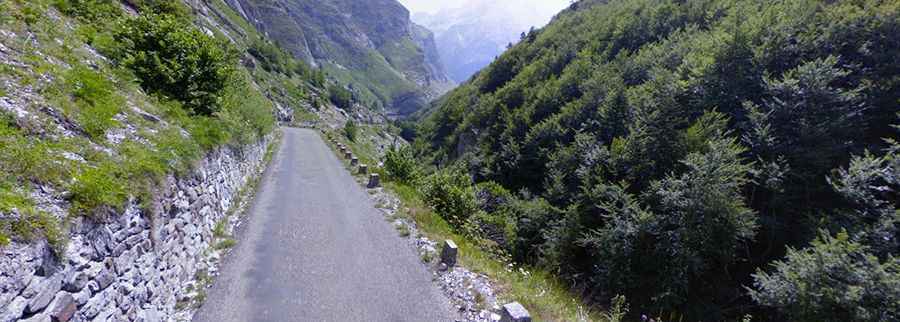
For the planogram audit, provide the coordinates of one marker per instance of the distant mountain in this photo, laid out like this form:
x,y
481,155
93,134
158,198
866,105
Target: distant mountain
x,y
471,36
371,45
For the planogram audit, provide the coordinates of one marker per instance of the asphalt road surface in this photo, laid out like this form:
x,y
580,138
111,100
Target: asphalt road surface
x,y
314,248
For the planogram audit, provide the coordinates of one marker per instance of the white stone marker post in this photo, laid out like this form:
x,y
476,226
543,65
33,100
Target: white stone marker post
x,y
449,252
514,312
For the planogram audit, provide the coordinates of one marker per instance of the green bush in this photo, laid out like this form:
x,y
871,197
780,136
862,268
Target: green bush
x,y
451,194
173,58
835,279
351,130
340,97
90,11
400,165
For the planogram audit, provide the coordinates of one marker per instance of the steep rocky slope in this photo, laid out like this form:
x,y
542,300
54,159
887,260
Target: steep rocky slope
x,y
370,45
468,38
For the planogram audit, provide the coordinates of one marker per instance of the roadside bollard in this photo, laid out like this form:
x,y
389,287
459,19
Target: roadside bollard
x,y
354,161
449,252
514,312
363,169
348,155
374,181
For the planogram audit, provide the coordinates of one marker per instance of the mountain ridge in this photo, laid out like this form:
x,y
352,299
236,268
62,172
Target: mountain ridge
x,y
372,46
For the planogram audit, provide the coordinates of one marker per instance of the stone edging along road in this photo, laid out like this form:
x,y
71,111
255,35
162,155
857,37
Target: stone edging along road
x,y
473,295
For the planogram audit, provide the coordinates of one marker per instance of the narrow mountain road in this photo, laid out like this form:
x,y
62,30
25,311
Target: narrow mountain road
x,y
314,248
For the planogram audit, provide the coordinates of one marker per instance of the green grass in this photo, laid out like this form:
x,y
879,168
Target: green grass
x,y
31,223
226,243
95,98
97,188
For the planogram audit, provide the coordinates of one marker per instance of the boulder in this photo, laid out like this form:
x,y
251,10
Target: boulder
x,y
45,293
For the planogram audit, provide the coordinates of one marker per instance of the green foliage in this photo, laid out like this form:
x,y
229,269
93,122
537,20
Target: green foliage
x,y
275,59
451,194
400,165
175,59
835,279
90,10
27,158
665,150
351,130
21,221
96,99
98,189
340,96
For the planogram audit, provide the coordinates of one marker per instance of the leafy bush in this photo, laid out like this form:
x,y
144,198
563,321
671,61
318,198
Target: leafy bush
x,y
451,194
400,165
835,279
340,97
92,11
274,59
351,130
175,59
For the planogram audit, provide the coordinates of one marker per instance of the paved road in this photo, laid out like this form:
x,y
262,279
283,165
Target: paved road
x,y
315,249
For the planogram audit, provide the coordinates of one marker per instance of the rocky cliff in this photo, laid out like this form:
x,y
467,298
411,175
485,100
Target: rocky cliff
x,y
370,45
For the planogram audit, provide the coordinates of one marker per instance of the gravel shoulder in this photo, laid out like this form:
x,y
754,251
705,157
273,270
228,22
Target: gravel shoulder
x,y
314,248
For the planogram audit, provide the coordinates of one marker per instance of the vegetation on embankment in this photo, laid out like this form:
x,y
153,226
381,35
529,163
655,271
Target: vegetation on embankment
x,y
541,292
706,159
102,99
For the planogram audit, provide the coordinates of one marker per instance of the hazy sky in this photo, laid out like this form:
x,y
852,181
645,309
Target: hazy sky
x,y
432,6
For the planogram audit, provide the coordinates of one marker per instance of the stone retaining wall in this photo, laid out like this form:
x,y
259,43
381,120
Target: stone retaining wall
x,y
133,266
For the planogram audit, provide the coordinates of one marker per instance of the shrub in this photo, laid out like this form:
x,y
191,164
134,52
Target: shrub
x,y
175,59
835,279
90,11
351,130
340,97
451,194
400,165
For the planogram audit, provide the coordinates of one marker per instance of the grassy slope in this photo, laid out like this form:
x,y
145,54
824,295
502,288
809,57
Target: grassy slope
x,y
76,123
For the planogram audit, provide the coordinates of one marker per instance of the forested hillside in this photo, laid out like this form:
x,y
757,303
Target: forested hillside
x,y
705,159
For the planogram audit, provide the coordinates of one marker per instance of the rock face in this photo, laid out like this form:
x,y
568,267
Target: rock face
x,y
372,42
134,266
469,37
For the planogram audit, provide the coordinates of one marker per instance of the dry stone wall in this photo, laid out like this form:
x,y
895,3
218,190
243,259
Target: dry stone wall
x,y
133,266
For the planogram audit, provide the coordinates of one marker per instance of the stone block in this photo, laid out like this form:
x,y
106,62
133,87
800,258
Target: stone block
x,y
348,155
449,253
63,308
514,312
374,181
354,161
46,293
363,169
